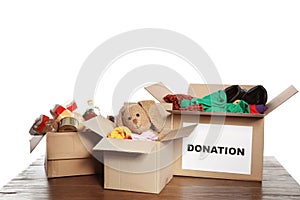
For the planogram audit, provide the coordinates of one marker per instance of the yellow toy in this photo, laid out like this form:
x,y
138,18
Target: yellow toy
x,y
121,132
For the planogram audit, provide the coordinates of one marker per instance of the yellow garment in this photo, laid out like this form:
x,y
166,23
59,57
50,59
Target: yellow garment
x,y
121,132
236,102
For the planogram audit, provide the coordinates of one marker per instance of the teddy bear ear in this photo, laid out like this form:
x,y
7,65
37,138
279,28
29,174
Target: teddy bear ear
x,y
156,114
119,120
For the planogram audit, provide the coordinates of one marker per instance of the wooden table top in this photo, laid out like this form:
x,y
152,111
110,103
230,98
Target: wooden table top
x,y
32,183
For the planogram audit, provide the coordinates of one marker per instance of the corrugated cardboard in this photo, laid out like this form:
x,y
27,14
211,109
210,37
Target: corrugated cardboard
x,y
69,154
139,172
134,165
241,119
72,167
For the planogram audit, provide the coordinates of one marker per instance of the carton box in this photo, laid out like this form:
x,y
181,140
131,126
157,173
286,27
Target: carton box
x,y
68,154
135,165
224,145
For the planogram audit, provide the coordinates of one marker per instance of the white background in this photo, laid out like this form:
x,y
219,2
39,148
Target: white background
x,y
43,45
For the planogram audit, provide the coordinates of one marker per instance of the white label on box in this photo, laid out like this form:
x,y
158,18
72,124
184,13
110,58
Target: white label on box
x,y
218,148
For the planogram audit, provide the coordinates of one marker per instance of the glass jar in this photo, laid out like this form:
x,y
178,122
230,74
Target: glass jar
x,y
91,111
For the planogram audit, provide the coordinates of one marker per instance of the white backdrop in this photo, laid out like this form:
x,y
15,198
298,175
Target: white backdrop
x,y
43,45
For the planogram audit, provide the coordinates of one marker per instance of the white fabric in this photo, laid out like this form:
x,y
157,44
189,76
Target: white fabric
x,y
147,135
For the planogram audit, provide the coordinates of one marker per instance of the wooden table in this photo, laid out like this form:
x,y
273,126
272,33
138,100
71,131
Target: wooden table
x,y
33,184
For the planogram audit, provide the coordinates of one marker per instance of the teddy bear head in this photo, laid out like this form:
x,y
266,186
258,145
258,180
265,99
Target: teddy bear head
x,y
141,116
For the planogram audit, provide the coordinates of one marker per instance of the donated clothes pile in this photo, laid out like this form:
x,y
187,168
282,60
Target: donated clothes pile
x,y
233,99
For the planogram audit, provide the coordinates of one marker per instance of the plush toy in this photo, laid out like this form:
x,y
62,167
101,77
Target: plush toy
x,y
142,116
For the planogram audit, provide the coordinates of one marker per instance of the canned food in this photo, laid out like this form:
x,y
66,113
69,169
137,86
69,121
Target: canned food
x,y
68,124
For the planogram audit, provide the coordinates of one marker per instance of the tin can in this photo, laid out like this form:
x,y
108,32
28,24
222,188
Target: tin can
x,y
68,124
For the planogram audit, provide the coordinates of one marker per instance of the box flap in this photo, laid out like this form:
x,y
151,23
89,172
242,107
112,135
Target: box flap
x,y
34,141
128,146
100,125
177,133
281,98
158,91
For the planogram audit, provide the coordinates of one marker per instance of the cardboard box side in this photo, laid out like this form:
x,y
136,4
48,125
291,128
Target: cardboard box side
x,y
116,180
72,167
119,172
65,145
139,172
165,162
223,114
257,149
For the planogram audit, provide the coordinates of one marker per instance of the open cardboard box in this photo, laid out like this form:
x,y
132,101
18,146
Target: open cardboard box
x,y
135,165
224,145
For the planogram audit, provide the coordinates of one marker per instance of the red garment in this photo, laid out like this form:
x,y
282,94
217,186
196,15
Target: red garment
x,y
197,107
175,99
253,109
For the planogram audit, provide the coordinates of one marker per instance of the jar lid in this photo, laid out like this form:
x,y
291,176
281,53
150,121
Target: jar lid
x,y
90,101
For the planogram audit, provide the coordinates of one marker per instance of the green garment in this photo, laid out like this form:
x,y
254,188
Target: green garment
x,y
216,102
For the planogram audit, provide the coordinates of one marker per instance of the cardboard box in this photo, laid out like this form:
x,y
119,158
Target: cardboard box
x,y
224,145
135,165
69,154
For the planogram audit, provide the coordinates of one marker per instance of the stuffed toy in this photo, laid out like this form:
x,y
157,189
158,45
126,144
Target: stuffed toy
x,y
142,116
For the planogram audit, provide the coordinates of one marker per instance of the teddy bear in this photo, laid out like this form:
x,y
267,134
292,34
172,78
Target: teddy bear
x,y
142,116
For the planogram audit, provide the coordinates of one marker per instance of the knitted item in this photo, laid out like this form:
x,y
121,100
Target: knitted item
x,y
176,99
197,107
